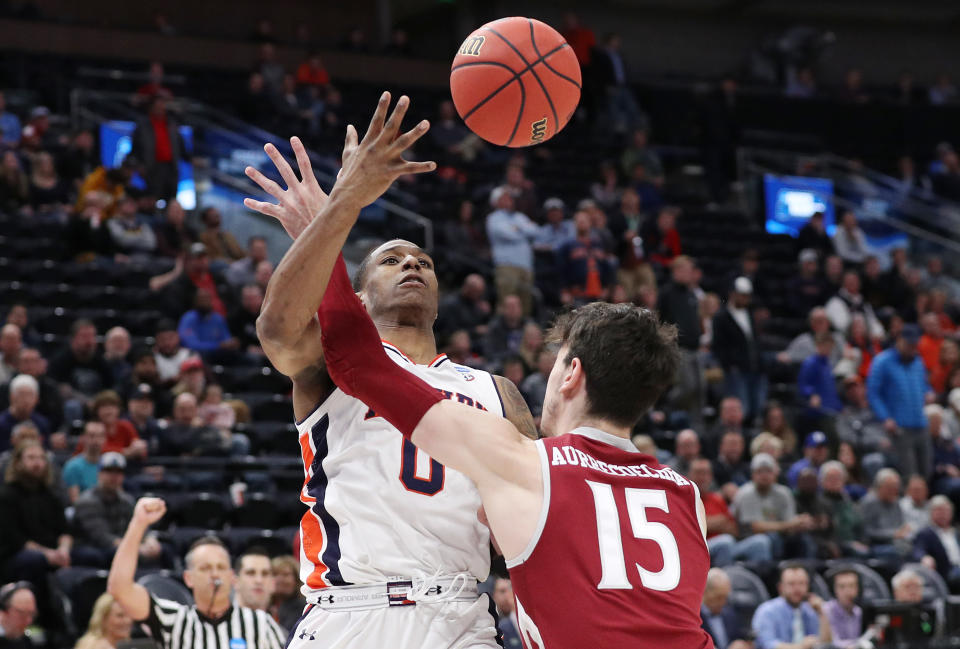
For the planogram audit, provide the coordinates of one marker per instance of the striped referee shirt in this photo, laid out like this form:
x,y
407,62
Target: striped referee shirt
x,y
177,626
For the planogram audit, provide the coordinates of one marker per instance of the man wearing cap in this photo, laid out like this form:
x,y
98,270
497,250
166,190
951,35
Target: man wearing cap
x,y
557,229
764,507
625,225
816,451
510,234
141,408
736,348
80,471
814,236
897,388
805,290
179,287
103,512
849,301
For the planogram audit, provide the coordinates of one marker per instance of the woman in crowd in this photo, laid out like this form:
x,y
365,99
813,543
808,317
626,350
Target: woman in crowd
x,y
288,603
858,338
775,422
48,196
109,625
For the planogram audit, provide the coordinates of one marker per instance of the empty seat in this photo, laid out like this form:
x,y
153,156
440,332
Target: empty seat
x,y
747,592
205,510
82,587
257,510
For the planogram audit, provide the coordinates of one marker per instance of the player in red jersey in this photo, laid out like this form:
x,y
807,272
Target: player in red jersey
x,y
606,547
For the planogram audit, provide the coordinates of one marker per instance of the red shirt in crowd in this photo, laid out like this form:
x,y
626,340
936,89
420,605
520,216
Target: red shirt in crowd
x,y
163,150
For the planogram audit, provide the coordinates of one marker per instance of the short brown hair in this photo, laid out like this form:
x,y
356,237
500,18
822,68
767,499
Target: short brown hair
x,y
105,398
629,357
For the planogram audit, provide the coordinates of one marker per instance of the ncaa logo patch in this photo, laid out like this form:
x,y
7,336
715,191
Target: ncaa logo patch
x,y
238,643
467,374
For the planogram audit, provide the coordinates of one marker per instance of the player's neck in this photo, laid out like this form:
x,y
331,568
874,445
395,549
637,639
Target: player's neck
x,y
417,344
599,424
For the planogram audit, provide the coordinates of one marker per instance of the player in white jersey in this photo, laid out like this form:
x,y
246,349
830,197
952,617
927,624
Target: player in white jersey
x,y
391,544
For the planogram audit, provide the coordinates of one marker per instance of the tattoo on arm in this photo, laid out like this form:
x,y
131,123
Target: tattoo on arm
x,y
515,408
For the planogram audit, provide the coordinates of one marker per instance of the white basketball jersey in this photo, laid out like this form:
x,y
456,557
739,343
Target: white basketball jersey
x,y
378,507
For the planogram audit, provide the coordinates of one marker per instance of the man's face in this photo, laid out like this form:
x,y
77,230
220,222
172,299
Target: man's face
x,y
94,437
825,347
21,609
212,218
185,410
794,586
764,477
808,268
34,461
400,284
84,342
688,445
18,316
942,515
731,447
141,409
906,349
197,264
917,490
682,272
255,583
889,490
818,454
731,412
168,342
252,299
910,591
851,282
23,400
209,563
512,309
110,479
204,302
258,250
701,473
117,343
846,587
146,368
503,596
263,273
832,482
10,342
715,597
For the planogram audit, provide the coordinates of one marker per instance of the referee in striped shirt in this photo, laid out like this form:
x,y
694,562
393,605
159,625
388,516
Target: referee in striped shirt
x,y
212,622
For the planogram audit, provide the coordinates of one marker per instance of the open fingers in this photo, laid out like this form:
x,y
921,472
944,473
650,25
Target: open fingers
x,y
392,126
376,122
270,209
416,167
265,183
404,142
303,160
278,160
349,145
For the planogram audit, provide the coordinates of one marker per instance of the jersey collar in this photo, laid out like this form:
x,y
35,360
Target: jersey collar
x,y
606,438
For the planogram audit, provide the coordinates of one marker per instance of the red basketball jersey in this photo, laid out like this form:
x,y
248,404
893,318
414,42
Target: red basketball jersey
x,y
618,559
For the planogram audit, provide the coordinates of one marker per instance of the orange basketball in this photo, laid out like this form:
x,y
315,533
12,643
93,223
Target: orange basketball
x,y
515,82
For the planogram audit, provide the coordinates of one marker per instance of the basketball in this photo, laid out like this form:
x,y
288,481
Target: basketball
x,y
515,82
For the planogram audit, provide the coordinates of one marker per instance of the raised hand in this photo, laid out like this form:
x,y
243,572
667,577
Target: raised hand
x,y
149,510
372,164
300,202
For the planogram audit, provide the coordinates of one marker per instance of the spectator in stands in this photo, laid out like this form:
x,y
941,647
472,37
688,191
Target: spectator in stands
x,y
814,236
129,233
720,619
884,526
580,38
737,350
460,351
18,315
857,479
121,436
801,83
174,235
586,272
937,279
468,309
243,321
812,502
168,352
943,91
179,286
845,519
103,512
858,426
256,105
14,186
10,126
157,143
48,195
872,283
938,307
311,72
686,450
203,330
897,387
154,85
192,378
849,240
915,504
17,613
140,412
243,271
731,419
80,368
107,185
11,342
143,372
511,233
116,353
816,451
80,471
50,404
946,453
534,386
79,159
907,587
287,602
109,625
815,382
254,584
775,422
640,153
848,301
35,537
523,190
213,411
623,113
764,507
24,395
679,306
794,620
931,340
606,189
556,230
938,545
722,528
505,331
456,142
186,435
530,345
512,369
661,241
221,244
625,226
859,351
832,275
843,614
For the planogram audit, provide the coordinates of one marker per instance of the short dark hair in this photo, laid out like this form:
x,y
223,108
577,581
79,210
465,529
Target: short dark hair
x,y
361,273
793,565
253,551
82,323
843,571
629,357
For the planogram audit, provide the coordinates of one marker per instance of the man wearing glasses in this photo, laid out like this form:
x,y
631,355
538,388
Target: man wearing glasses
x,y
18,608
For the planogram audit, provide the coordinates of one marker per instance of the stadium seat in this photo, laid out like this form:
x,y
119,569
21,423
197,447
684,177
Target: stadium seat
x,y
275,544
257,510
206,510
873,587
934,587
161,584
82,586
183,537
747,593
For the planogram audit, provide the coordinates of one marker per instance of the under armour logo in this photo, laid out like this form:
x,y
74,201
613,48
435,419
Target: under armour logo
x,y
305,634
326,599
435,590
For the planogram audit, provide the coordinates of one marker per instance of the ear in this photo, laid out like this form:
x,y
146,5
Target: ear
x,y
188,578
573,379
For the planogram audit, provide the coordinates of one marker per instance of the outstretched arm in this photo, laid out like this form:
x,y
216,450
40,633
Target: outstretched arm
x,y
133,597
